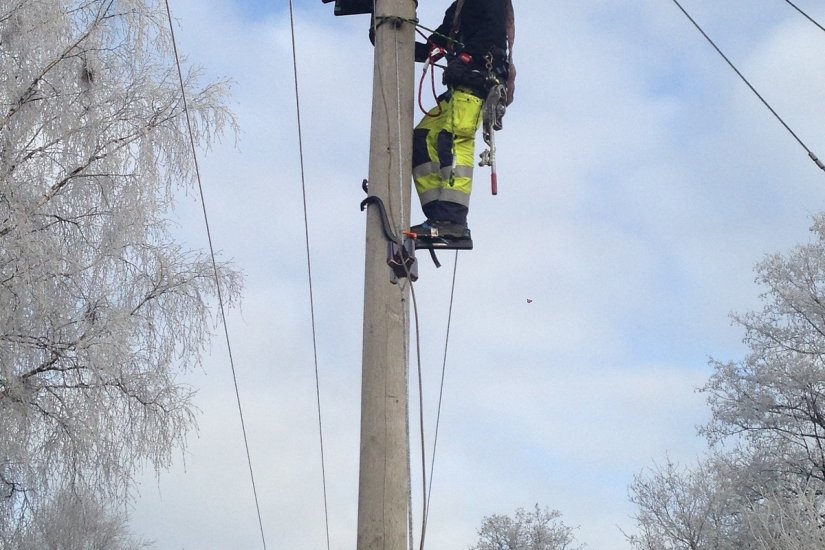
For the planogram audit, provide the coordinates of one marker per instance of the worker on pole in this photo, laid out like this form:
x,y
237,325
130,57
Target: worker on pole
x,y
476,39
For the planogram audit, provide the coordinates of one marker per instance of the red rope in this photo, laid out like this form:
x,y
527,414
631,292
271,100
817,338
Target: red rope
x,y
435,54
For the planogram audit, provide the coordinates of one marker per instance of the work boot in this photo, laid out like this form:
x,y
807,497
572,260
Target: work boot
x,y
433,229
446,210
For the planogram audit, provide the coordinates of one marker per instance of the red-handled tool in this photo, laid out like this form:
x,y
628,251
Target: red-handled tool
x,y
493,111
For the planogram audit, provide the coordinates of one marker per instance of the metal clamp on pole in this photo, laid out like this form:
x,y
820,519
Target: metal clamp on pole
x,y
400,253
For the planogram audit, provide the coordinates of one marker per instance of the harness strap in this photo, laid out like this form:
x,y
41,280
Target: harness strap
x,y
434,258
454,31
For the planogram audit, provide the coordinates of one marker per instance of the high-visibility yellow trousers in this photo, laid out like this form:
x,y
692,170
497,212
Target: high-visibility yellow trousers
x,y
444,150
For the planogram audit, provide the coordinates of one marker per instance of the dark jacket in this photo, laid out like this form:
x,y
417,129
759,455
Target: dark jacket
x,y
481,30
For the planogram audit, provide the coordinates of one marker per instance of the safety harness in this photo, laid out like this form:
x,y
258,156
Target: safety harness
x,y
500,95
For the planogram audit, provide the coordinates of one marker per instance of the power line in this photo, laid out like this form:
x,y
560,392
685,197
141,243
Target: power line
x,y
309,268
745,80
441,388
428,482
808,17
215,270
424,499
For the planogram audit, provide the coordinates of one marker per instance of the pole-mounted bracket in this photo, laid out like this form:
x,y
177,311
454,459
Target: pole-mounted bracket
x,y
382,212
400,253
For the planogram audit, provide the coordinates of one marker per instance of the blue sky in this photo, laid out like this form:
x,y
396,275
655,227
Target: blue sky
x,y
644,181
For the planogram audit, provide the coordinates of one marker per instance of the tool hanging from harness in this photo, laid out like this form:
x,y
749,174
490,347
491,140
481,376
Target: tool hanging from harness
x,y
500,94
476,40
495,106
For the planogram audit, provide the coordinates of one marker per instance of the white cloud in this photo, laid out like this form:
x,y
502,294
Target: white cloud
x,y
640,182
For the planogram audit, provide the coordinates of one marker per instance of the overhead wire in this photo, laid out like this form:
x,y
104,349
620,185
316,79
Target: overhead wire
x,y
427,482
402,187
441,389
811,154
396,222
309,269
405,328
420,420
398,228
808,17
401,184
215,271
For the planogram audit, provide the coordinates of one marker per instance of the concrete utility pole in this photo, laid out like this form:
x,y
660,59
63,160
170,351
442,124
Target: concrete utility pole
x,y
384,476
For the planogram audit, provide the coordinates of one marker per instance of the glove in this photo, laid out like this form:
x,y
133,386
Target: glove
x,y
458,71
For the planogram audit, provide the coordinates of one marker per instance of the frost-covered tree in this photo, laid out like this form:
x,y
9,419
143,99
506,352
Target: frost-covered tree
x,y
765,483
775,397
676,508
100,309
539,529
790,518
693,508
78,521
724,503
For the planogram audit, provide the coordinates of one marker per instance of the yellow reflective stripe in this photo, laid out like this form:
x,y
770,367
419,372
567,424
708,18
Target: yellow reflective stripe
x,y
460,118
458,171
429,196
426,169
449,195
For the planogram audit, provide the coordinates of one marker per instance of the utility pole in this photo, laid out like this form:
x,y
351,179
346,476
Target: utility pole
x,y
384,472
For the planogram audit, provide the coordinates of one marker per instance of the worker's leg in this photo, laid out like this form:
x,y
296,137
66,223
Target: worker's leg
x,y
443,157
